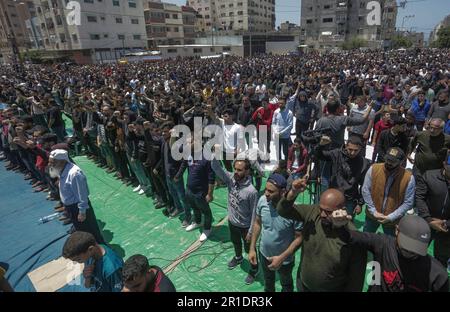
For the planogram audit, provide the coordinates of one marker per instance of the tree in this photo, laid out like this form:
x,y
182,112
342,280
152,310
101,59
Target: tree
x,y
354,43
443,40
401,42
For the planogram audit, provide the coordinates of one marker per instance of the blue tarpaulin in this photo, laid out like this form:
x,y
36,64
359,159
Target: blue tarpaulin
x,y
25,244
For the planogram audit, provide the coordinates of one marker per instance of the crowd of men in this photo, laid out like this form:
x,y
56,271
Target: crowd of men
x,y
334,105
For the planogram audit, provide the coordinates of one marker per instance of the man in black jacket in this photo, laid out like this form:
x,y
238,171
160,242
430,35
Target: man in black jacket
x,y
404,265
394,137
348,168
433,204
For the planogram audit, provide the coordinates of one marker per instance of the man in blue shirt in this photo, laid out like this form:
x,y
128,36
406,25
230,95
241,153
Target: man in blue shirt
x,y
282,123
102,266
74,193
280,237
199,188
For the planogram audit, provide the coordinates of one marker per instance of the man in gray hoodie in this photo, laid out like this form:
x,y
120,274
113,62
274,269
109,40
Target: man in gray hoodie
x,y
242,201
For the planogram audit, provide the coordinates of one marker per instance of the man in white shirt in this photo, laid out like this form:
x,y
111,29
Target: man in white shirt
x,y
233,137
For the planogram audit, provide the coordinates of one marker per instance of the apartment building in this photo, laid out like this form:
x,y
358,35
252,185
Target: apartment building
x,y
14,34
328,23
232,16
106,29
169,24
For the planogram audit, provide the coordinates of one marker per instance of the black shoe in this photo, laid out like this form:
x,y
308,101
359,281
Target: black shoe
x,y
160,205
166,212
235,262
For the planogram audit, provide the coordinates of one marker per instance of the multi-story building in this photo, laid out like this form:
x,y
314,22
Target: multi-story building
x,y
289,27
232,16
417,38
14,21
444,23
328,23
106,29
169,24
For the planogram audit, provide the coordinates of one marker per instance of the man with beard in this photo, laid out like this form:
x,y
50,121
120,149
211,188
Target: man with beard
x,y
328,263
430,146
388,191
74,193
433,204
348,168
304,111
242,201
394,137
441,107
139,276
404,263
280,237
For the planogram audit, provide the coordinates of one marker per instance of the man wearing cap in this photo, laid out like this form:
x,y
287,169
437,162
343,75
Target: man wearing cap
x,y
433,204
74,193
404,263
280,237
328,262
388,191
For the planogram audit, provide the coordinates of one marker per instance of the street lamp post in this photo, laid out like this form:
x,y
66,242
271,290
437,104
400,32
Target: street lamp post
x,y
403,21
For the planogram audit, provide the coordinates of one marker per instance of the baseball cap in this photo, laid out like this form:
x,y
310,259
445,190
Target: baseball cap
x,y
278,180
395,155
414,234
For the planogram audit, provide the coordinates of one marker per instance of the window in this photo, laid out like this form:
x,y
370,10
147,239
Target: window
x,y
119,20
105,35
121,37
116,2
175,16
58,20
167,15
172,50
198,50
240,12
327,7
226,49
62,37
310,21
231,5
74,38
137,37
327,20
207,16
102,18
92,19
132,4
175,29
95,37
134,21
88,1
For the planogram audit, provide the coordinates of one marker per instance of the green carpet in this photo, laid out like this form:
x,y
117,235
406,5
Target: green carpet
x,y
131,224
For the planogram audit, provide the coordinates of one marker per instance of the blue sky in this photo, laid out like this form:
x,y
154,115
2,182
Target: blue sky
x,y
427,13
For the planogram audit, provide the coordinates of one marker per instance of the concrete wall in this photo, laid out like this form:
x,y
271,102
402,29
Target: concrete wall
x,y
188,51
282,47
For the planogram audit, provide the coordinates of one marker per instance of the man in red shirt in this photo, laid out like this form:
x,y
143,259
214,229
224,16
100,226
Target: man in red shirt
x,y
383,124
263,119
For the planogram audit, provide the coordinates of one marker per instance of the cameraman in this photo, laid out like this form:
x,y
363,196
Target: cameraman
x,y
348,168
337,125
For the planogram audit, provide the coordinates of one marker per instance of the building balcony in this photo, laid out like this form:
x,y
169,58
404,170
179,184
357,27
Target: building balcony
x,y
154,20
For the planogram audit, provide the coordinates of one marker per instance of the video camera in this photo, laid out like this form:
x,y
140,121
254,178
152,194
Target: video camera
x,y
312,137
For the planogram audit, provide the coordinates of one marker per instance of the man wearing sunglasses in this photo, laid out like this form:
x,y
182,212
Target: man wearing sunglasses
x,y
433,204
328,263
